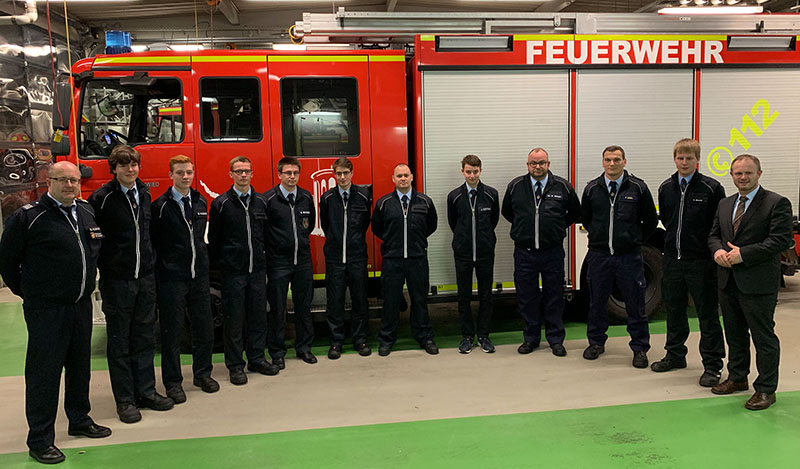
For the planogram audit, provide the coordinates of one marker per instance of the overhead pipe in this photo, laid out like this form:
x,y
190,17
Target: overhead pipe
x,y
30,16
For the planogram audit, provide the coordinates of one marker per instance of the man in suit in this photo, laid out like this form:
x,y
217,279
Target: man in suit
x,y
540,206
57,230
749,232
473,210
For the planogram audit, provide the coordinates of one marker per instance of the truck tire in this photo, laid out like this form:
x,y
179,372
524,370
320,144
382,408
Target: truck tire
x,y
652,260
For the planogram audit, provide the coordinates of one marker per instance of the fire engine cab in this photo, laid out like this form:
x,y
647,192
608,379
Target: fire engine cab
x,y
496,96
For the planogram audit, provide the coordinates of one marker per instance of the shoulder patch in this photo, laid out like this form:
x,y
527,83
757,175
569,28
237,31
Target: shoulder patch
x,y
30,205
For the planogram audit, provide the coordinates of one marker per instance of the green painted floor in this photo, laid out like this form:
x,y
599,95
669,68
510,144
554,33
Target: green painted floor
x,y
715,432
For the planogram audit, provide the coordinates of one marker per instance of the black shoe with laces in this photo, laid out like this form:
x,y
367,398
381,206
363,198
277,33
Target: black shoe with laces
x,y
465,346
593,351
486,344
335,352
640,359
667,364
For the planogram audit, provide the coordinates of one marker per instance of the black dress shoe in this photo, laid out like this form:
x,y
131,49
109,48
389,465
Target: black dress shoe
x,y
667,364
92,430
263,367
156,401
430,347
280,362
206,383
335,352
238,378
558,350
49,455
527,347
128,413
307,357
709,378
363,349
640,359
176,394
593,351
384,350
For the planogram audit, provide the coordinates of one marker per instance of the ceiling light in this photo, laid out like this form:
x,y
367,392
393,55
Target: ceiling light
x,y
713,10
289,47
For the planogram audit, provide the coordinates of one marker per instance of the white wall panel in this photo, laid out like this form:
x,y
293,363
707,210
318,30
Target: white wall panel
x,y
499,116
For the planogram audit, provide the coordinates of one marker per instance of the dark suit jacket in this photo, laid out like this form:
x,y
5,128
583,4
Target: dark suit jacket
x,y
765,231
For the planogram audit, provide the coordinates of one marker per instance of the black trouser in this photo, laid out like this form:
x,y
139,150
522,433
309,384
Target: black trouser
x,y
698,278
626,271
130,310
175,297
244,298
745,314
352,275
484,271
301,279
414,273
548,304
58,337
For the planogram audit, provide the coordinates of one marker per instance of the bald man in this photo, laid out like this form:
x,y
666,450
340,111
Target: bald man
x,y
48,256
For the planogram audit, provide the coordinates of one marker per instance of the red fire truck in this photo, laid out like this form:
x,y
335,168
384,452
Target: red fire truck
x,y
496,96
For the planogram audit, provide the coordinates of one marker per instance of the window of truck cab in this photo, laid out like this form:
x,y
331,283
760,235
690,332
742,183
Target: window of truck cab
x,y
319,117
230,109
118,111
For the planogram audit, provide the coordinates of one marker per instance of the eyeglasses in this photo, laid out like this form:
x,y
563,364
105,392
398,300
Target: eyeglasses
x,y
242,171
73,181
342,174
538,163
290,173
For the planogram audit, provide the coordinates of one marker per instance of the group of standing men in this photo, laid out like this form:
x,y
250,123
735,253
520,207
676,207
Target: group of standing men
x,y
152,253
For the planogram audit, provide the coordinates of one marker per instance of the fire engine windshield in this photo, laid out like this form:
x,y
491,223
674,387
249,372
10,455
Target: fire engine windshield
x,y
130,113
320,117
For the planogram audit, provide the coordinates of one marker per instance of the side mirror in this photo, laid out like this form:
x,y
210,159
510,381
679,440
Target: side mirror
x,y
86,171
62,105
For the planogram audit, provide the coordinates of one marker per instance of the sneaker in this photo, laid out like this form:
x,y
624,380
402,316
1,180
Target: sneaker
x,y
465,346
486,344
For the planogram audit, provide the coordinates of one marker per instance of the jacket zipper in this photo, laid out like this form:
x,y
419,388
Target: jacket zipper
x,y
249,234
191,242
138,241
405,229
472,205
83,256
294,231
680,225
344,236
611,224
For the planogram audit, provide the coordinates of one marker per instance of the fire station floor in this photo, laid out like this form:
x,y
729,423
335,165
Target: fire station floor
x,y
415,410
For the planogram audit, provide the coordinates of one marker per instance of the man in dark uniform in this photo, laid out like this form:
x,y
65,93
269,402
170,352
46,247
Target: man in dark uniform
x,y
688,201
237,225
473,210
290,218
344,213
58,230
178,232
750,230
540,206
618,211
127,285
403,220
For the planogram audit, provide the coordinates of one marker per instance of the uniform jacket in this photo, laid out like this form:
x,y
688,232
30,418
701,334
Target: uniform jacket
x,y
289,228
473,231
632,219
126,252
404,236
42,258
236,233
688,216
181,252
765,231
546,226
334,218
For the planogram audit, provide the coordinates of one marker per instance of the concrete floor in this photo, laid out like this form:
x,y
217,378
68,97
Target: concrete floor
x,y
406,386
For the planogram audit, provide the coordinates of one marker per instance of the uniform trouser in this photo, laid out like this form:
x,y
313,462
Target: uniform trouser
x,y
626,271
547,304
414,273
352,275
697,277
130,310
175,298
746,314
484,271
58,337
301,279
244,298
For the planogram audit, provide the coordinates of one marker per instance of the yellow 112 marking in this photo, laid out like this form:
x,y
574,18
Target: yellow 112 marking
x,y
761,107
